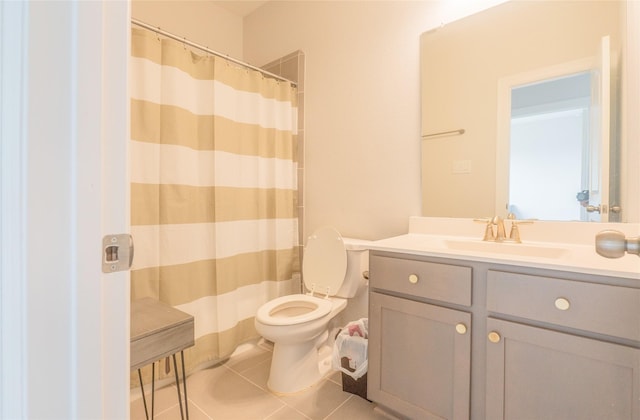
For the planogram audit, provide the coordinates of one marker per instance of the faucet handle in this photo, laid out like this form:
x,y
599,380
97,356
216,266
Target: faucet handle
x,y
488,231
483,220
514,235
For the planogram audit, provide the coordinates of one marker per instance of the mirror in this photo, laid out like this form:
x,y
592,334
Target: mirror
x,y
522,109
550,136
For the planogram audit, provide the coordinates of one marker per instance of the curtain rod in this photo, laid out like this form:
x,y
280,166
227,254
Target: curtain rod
x,y
206,49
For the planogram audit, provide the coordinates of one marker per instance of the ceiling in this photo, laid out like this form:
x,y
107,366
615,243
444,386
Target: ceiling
x,y
240,7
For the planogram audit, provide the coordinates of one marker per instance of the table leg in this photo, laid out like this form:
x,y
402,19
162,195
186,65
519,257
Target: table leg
x,y
175,369
184,384
153,387
153,390
144,399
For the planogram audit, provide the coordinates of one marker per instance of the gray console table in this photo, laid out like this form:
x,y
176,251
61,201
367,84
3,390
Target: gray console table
x,y
157,331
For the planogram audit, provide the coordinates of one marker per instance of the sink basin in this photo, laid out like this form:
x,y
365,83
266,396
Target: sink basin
x,y
507,248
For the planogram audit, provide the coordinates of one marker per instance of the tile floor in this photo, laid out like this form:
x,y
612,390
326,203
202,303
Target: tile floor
x,y
236,389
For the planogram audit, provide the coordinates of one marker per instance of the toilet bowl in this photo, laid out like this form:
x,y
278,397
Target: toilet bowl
x,y
332,271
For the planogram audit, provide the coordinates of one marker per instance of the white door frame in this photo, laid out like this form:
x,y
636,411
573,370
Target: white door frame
x,y
64,334
503,122
13,62
630,171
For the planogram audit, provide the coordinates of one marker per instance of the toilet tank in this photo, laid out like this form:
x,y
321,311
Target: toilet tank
x,y
357,265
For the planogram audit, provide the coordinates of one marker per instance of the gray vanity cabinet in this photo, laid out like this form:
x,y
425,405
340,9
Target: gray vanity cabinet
x,y
419,352
574,367
535,373
457,339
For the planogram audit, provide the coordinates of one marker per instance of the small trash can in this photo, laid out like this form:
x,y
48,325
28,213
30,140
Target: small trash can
x,y
350,356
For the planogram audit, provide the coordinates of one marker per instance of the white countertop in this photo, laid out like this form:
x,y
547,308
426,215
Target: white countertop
x,y
567,246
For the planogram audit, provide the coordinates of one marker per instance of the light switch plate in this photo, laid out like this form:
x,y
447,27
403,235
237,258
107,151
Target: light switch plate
x,y
461,167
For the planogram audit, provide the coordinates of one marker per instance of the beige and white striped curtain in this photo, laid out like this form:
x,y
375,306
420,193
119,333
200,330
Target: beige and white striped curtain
x,y
213,189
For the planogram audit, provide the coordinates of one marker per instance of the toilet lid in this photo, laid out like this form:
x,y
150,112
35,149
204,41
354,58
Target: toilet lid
x,y
325,261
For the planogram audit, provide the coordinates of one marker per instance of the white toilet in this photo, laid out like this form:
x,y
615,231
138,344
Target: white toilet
x,y
332,271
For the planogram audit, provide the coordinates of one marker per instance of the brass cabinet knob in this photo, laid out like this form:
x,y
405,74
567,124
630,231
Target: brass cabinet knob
x,y
413,278
562,304
494,337
461,328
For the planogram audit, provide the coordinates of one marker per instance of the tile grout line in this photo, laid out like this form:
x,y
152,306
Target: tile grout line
x,y
200,409
287,406
266,391
255,384
148,397
326,379
338,407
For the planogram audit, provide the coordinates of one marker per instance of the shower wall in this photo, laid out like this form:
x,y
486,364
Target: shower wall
x,y
291,67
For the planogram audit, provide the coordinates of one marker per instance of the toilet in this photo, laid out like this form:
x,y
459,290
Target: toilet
x,y
332,270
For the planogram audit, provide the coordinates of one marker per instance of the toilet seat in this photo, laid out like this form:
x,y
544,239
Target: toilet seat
x,y
267,313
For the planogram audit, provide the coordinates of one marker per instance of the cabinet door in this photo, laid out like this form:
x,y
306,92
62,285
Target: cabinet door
x,y
419,358
533,373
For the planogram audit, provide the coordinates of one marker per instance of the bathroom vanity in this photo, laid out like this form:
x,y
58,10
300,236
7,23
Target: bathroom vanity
x,y
490,333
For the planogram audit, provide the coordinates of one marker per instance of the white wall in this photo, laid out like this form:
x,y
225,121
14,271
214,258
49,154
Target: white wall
x,y
362,104
199,21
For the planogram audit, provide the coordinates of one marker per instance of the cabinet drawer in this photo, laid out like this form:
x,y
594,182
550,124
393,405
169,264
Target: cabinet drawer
x,y
600,308
444,282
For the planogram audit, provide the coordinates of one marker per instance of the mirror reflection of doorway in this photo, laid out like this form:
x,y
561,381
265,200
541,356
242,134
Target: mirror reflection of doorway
x,y
553,163
562,104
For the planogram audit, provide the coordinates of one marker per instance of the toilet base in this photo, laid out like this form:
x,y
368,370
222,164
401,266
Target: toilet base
x,y
296,367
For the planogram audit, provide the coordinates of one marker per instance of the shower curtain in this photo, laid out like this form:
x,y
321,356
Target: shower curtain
x,y
213,189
